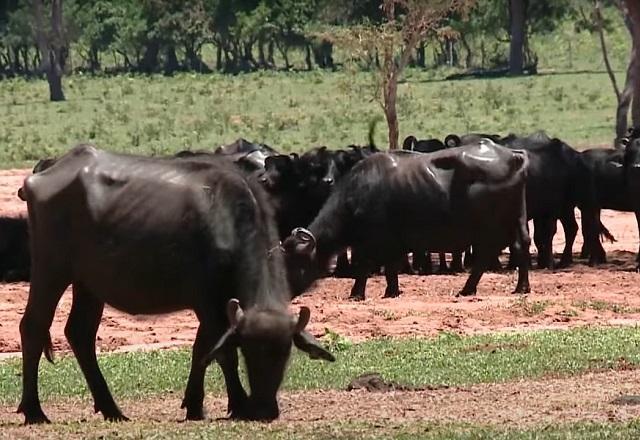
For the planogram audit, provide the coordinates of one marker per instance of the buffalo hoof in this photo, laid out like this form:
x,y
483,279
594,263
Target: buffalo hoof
x,y
464,292
456,268
195,414
36,419
564,263
389,293
116,418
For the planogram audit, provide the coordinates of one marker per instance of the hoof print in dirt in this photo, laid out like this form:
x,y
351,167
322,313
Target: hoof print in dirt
x,y
626,400
373,382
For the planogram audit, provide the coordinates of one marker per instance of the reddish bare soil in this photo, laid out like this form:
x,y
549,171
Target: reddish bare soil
x,y
608,295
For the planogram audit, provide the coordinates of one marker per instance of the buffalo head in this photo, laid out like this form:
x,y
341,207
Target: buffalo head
x,y
264,337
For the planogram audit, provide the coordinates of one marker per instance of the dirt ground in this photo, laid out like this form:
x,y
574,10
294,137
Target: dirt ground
x,y
594,397
607,295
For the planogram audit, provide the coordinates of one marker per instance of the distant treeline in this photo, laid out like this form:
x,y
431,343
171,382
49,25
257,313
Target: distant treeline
x,y
149,36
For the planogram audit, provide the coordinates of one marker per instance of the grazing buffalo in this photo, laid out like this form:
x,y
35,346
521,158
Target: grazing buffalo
x,y
14,249
151,236
390,203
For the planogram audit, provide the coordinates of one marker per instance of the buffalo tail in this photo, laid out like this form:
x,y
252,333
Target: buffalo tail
x,y
48,348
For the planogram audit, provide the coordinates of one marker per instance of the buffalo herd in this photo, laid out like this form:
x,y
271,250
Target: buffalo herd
x,y
235,233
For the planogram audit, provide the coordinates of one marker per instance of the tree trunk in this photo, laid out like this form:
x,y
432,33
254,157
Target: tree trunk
x,y
390,113
307,57
149,62
420,56
633,8
632,83
171,64
51,48
603,46
517,13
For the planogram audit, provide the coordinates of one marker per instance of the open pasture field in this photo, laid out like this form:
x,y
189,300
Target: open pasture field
x,y
291,111
561,363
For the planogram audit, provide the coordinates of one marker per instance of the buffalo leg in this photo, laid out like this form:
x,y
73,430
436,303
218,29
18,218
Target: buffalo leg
x,y
570,227
478,268
44,295
236,394
456,262
391,275
543,232
343,269
194,393
422,262
81,329
637,213
468,257
520,251
405,267
361,270
443,263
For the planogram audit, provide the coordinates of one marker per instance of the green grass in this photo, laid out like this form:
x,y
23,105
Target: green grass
x,y
333,430
290,111
445,360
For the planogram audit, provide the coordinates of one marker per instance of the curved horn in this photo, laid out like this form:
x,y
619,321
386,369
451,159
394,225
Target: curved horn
x,y
234,312
303,319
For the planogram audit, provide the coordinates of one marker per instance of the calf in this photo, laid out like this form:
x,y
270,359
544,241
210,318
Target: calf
x,y
152,236
390,203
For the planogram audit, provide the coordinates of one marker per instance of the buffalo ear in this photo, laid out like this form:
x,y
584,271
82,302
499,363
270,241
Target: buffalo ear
x,y
234,315
279,161
452,141
304,341
301,241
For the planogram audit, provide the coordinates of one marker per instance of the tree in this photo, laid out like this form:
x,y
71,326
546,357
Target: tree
x,y
630,95
518,18
405,24
52,46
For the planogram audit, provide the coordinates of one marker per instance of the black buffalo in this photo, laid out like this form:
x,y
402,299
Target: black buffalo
x,y
14,249
606,167
632,174
150,236
423,145
557,182
390,203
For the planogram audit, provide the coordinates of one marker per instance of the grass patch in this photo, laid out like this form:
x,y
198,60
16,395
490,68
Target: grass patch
x,y
530,307
446,360
332,430
600,305
290,111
